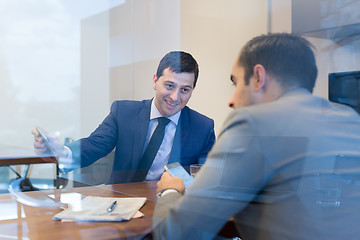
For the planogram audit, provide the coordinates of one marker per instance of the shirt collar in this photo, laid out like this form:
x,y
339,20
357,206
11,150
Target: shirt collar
x,y
154,113
297,91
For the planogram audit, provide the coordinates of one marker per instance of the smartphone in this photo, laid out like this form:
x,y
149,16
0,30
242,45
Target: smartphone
x,y
46,142
175,169
51,150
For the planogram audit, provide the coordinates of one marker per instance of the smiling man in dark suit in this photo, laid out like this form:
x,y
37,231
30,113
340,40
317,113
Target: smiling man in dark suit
x,y
130,125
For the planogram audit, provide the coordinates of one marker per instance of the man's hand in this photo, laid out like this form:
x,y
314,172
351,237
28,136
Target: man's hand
x,y
41,147
168,181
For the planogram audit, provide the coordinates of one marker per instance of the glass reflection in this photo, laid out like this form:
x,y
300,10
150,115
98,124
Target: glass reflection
x,y
62,63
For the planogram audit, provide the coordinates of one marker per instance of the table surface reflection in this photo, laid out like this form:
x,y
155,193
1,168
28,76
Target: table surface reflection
x,y
18,221
10,155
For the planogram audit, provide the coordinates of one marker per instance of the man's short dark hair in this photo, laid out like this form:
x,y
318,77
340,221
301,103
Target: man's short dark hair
x,y
178,62
287,57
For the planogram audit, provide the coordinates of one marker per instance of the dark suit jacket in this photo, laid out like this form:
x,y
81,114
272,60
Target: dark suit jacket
x,y
126,127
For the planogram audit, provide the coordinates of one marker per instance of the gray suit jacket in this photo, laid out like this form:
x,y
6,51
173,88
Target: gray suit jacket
x,y
288,169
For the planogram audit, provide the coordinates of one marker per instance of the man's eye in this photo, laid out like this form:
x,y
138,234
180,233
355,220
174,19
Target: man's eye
x,y
185,90
169,86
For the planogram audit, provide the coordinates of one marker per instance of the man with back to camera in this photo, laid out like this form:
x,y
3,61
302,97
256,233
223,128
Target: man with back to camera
x,y
186,135
284,166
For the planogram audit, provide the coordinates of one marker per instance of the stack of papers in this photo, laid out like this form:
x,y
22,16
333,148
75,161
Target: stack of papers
x,y
95,209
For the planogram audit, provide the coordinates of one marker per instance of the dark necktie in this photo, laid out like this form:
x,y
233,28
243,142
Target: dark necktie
x,y
154,145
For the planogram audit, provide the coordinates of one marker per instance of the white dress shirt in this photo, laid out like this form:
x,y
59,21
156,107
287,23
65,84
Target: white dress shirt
x,y
163,155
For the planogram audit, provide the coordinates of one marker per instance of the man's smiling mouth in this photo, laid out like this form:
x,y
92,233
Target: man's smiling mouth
x,y
171,104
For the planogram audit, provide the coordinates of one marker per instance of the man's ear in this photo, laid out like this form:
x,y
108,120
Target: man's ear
x,y
259,73
155,79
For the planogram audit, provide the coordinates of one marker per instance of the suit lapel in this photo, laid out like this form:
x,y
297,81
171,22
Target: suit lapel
x,y
185,124
141,129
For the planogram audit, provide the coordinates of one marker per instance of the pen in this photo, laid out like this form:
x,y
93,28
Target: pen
x,y
111,207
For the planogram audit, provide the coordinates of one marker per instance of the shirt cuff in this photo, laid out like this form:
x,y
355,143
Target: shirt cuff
x,y
68,153
66,162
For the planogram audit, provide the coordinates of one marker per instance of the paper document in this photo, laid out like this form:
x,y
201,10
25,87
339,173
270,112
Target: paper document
x,y
96,209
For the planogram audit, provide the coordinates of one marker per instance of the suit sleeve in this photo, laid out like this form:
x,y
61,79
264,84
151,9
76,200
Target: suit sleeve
x,y
210,140
100,143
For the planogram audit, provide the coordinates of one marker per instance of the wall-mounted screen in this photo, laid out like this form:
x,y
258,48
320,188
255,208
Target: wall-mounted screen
x,y
344,87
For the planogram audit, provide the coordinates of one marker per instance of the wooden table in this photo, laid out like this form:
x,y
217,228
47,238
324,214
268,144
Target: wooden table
x,y
36,222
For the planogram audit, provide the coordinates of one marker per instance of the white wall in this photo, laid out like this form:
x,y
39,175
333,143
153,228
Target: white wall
x,y
214,32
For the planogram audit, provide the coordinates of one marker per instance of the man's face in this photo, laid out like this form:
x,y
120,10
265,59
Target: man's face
x,y
243,94
173,91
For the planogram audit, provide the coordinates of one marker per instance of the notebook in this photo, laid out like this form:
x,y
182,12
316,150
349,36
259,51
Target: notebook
x,y
94,208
